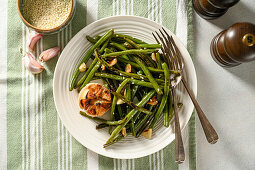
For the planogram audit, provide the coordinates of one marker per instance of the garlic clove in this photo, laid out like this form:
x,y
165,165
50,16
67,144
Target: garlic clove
x,y
49,54
83,67
102,67
124,132
120,101
113,62
31,64
128,68
147,133
35,37
153,56
153,101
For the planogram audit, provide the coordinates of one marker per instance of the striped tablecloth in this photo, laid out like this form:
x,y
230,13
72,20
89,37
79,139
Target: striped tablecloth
x,y
31,133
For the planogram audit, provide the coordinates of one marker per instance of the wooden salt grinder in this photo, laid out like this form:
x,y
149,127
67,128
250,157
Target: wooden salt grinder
x,y
235,45
211,9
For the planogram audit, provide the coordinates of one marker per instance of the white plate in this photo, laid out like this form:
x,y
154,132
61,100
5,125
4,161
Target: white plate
x,y
83,129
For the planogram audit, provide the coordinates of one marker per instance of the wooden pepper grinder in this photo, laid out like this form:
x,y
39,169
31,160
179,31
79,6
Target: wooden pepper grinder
x,y
235,45
211,9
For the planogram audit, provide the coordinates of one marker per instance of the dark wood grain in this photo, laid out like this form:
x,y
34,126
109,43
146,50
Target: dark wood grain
x,y
223,3
235,45
211,9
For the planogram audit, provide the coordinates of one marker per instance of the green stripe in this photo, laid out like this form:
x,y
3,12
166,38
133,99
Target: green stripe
x,y
192,124
169,14
169,162
141,8
79,156
104,8
14,82
142,163
105,163
79,20
49,117
79,152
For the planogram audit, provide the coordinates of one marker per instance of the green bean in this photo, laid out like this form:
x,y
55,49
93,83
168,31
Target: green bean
x,y
104,46
110,84
130,37
76,73
159,111
149,76
133,91
106,85
137,66
158,61
91,40
128,96
101,126
92,65
92,72
130,75
146,123
118,46
170,105
166,116
121,78
140,122
147,60
166,91
167,78
119,122
134,106
116,139
114,101
107,51
135,51
132,43
150,45
120,111
129,116
128,45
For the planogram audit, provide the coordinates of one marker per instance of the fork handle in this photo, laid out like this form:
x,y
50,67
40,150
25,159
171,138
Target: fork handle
x,y
179,148
210,133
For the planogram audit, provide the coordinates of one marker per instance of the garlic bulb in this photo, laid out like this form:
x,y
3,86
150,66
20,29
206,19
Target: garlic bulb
x,y
34,38
31,64
49,54
95,99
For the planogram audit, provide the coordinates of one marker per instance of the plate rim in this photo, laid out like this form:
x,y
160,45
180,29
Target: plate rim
x,y
112,155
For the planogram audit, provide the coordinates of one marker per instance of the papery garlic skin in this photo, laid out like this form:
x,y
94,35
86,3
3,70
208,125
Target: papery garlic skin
x,y
49,54
31,64
34,38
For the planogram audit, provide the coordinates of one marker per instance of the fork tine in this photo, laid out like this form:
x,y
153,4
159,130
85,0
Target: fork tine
x,y
174,49
156,38
179,55
175,58
164,50
171,54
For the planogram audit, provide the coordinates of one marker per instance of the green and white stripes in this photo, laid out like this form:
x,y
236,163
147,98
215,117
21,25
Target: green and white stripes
x,y
35,136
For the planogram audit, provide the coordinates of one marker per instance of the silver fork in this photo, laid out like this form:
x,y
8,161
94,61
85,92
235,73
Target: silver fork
x,y
210,133
179,148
